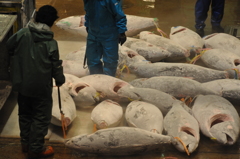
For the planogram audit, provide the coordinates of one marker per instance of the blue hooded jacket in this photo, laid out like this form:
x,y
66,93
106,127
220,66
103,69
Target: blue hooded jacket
x,y
105,18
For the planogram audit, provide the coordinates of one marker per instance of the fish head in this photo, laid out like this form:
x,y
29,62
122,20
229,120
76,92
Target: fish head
x,y
187,140
128,92
76,142
225,133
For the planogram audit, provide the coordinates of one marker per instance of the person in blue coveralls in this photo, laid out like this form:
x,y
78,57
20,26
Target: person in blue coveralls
x,y
201,13
105,23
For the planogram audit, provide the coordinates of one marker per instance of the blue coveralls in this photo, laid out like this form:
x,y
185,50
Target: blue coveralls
x,y
105,21
201,12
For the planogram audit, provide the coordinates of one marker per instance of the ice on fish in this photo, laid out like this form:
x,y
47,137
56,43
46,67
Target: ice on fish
x,y
149,51
187,38
179,123
227,88
107,114
135,24
76,55
177,51
179,87
145,116
119,141
82,93
198,73
74,68
217,118
68,107
221,59
223,41
161,100
106,85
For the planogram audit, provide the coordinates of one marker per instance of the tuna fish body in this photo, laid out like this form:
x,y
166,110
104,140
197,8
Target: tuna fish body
x,y
223,41
221,59
107,114
179,123
217,118
161,100
178,52
198,73
119,141
145,116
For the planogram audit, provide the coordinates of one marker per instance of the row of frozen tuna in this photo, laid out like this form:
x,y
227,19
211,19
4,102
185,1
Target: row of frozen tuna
x,y
151,109
144,57
215,117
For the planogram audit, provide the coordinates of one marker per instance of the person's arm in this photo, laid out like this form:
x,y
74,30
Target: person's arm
x,y
86,15
115,8
11,44
57,69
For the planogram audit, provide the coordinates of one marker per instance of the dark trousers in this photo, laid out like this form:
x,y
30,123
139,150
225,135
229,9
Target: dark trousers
x,y
34,118
201,12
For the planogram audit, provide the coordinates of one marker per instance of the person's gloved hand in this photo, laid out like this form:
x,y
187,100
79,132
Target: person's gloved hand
x,y
87,29
122,38
60,81
59,84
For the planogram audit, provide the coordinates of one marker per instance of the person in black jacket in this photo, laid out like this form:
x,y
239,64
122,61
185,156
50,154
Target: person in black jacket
x,y
35,62
201,13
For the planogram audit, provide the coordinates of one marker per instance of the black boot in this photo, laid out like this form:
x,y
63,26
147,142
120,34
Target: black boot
x,y
200,32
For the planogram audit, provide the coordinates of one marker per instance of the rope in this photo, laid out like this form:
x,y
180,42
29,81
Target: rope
x,y
183,145
162,33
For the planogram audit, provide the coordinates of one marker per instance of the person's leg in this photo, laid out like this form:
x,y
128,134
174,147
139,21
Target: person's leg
x,y
25,120
41,117
201,13
110,57
217,15
94,54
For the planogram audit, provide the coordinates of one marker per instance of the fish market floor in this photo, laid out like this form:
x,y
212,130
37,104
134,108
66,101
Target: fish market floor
x,y
182,13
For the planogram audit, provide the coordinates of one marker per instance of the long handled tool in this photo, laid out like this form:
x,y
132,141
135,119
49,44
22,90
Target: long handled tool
x,y
64,128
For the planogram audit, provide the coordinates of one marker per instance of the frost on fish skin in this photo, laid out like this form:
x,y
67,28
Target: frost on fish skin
x,y
179,123
217,117
145,116
119,141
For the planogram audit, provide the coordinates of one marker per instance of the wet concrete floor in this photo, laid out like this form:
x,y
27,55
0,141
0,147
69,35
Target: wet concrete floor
x,y
170,13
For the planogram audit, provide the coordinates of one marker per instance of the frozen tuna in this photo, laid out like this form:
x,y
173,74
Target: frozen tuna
x,y
106,85
145,116
217,118
223,41
149,51
187,38
68,107
76,55
161,100
135,24
81,92
178,52
221,59
178,87
107,114
129,57
74,68
227,88
179,123
119,141
198,73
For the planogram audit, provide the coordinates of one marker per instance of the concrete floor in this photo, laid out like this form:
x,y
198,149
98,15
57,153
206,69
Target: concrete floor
x,y
170,13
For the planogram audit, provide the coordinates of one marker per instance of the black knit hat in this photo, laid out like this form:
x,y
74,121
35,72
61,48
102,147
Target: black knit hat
x,y
46,14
